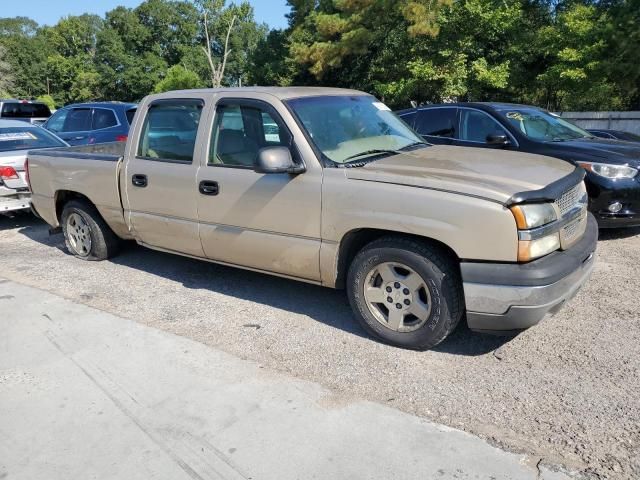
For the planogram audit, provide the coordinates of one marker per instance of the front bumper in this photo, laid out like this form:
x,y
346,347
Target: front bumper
x,y
603,192
12,203
507,297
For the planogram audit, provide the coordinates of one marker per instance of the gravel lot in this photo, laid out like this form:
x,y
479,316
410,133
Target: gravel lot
x,y
566,391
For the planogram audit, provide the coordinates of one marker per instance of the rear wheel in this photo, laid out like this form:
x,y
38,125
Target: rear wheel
x,y
406,292
86,234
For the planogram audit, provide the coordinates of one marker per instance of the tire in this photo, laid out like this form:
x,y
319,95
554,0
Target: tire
x,y
86,234
429,312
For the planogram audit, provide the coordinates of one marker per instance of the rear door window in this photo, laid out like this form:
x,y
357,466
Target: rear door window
x,y
77,120
25,110
436,122
103,118
169,130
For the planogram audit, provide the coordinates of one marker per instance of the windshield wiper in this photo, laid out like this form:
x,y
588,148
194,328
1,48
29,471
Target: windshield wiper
x,y
415,144
370,152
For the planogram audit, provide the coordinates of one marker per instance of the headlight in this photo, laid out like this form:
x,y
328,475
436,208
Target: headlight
x,y
533,215
609,171
530,249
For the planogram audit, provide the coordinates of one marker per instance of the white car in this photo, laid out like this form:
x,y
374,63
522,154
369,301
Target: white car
x,y
16,139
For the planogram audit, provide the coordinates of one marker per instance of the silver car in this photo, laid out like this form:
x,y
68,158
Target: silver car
x,y
16,139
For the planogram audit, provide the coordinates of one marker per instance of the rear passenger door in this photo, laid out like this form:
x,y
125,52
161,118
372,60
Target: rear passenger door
x,y
159,180
437,125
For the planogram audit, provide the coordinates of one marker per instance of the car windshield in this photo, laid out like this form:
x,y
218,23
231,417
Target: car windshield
x,y
351,128
540,125
18,138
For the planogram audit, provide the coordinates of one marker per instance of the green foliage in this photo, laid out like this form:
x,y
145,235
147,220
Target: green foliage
x,y
126,55
560,54
48,101
6,76
577,54
178,78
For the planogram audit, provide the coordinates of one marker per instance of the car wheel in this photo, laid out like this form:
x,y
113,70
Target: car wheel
x,y
406,292
86,234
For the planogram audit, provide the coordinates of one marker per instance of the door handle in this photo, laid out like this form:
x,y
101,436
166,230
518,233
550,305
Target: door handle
x,y
79,138
139,180
208,187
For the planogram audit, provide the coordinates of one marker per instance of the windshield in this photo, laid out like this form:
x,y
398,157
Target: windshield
x,y
348,128
18,138
540,125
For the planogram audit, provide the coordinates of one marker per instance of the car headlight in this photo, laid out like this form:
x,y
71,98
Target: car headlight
x,y
533,215
531,249
609,171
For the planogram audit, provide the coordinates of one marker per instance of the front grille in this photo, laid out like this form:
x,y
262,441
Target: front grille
x,y
570,199
572,232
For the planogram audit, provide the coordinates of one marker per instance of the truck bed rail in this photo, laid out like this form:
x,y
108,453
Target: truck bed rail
x,y
109,152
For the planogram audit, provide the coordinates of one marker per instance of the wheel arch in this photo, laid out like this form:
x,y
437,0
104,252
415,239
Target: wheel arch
x,y
355,240
62,197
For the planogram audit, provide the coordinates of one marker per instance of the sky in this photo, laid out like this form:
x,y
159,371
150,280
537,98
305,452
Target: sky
x,y
48,12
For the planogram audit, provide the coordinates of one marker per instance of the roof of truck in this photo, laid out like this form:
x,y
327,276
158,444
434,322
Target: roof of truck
x,y
283,93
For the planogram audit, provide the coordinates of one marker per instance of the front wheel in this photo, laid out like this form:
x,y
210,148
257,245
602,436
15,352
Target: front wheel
x,y
405,292
86,234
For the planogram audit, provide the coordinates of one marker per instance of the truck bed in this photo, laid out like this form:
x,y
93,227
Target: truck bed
x,y
91,171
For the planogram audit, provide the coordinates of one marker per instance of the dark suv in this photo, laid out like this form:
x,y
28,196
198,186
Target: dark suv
x,y
89,123
612,166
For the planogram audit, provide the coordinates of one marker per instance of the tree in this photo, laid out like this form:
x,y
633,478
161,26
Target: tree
x,y
178,78
230,36
217,66
6,75
26,52
269,64
48,101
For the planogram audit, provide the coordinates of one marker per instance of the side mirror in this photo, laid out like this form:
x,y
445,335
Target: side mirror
x,y
276,160
497,139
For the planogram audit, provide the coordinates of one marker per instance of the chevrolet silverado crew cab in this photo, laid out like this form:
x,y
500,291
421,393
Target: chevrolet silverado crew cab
x,y
328,186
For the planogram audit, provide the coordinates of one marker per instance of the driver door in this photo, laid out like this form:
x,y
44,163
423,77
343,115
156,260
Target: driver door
x,y
268,222
474,128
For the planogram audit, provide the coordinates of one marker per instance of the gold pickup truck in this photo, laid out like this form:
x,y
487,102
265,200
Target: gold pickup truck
x,y
328,186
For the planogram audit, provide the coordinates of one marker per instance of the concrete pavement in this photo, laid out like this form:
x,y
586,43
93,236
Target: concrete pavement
x,y
88,395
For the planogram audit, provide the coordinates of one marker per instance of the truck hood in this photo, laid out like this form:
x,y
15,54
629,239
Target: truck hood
x,y
495,175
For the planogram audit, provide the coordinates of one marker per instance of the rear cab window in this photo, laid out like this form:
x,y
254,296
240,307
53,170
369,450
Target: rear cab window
x,y
24,110
169,130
